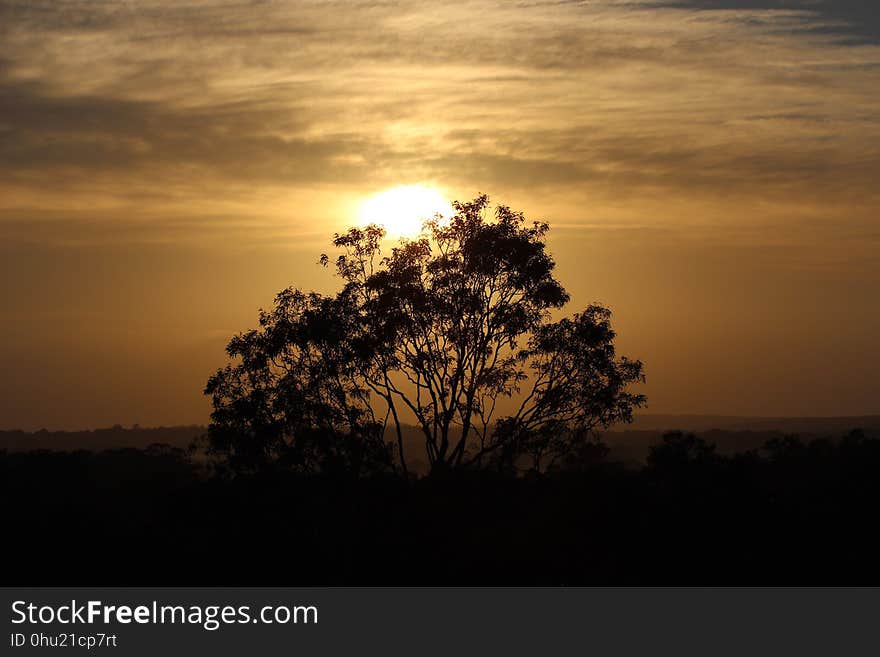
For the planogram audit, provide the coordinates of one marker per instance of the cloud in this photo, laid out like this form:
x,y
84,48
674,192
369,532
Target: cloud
x,y
202,105
850,21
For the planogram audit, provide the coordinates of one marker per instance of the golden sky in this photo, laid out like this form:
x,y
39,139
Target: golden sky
x,y
709,169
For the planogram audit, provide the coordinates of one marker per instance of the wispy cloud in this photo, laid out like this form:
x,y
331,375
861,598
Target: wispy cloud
x,y
603,95
853,22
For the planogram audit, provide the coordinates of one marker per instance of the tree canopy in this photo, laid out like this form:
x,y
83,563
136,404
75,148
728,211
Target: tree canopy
x,y
451,331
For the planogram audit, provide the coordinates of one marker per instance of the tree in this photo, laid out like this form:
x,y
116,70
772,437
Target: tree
x,y
443,332
679,449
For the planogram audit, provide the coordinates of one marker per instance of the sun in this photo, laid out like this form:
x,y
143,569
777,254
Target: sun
x,y
401,210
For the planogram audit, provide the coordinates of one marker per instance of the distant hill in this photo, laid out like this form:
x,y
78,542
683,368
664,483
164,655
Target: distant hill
x,y
631,443
628,442
700,423
116,437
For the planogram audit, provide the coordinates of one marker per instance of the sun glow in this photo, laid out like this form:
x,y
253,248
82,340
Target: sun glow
x,y
401,210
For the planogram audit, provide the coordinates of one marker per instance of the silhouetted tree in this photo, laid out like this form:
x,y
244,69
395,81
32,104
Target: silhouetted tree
x,y
294,398
438,332
784,448
679,449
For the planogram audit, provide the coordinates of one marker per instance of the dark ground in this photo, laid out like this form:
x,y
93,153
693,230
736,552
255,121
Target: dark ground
x,y
791,513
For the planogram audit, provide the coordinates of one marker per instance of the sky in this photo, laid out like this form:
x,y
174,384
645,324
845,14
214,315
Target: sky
x,y
708,168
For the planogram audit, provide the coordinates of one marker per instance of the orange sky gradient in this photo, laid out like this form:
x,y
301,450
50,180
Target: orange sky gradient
x,y
709,171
